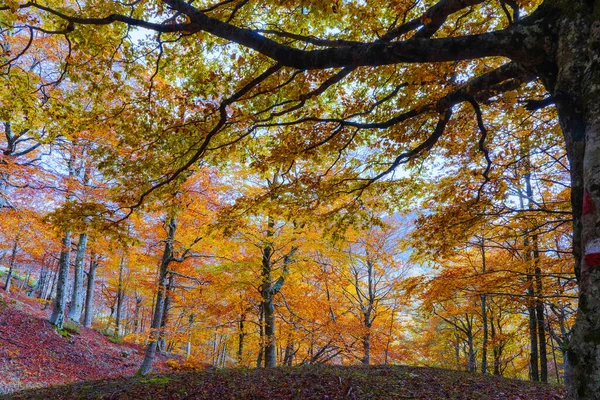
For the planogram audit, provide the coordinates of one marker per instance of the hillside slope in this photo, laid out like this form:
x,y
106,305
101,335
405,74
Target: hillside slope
x,y
33,354
305,383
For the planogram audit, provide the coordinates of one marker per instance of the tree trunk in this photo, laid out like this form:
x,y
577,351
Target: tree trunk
x,y
77,295
120,296
11,266
533,345
89,297
484,321
496,349
136,314
160,300
575,87
270,346
50,293
162,341
366,344
241,336
471,348
261,336
58,312
268,308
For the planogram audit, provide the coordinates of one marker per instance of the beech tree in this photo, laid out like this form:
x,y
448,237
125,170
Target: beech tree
x,y
321,60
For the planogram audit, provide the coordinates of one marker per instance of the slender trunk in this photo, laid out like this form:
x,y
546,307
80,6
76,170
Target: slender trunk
x,y
188,350
162,341
390,335
120,296
553,347
58,312
41,283
160,300
484,321
496,350
533,345
241,336
457,350
77,295
268,308
471,347
11,267
50,293
539,308
261,335
89,297
136,314
535,255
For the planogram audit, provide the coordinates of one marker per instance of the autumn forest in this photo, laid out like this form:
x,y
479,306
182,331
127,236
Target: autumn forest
x,y
207,187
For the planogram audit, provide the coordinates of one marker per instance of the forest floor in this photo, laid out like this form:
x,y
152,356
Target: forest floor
x,y
89,366
33,354
304,383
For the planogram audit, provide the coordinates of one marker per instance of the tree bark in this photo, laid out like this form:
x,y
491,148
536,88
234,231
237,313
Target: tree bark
x,y
166,259
241,336
11,265
484,320
89,297
120,296
575,85
58,312
77,295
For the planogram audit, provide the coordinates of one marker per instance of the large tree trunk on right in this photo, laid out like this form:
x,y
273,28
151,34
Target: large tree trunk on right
x,y
575,87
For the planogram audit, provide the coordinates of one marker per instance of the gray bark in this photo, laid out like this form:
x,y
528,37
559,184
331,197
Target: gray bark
x,y
575,85
89,297
77,294
58,312
120,296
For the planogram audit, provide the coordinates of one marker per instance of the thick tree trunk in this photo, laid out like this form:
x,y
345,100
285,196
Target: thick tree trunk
x,y
366,344
58,312
575,86
89,296
77,295
160,300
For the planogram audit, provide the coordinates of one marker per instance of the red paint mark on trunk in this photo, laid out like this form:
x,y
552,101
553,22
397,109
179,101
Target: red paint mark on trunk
x,y
592,260
588,204
592,253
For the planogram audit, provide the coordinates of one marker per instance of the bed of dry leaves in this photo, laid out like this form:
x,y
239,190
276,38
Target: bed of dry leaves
x,y
88,366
